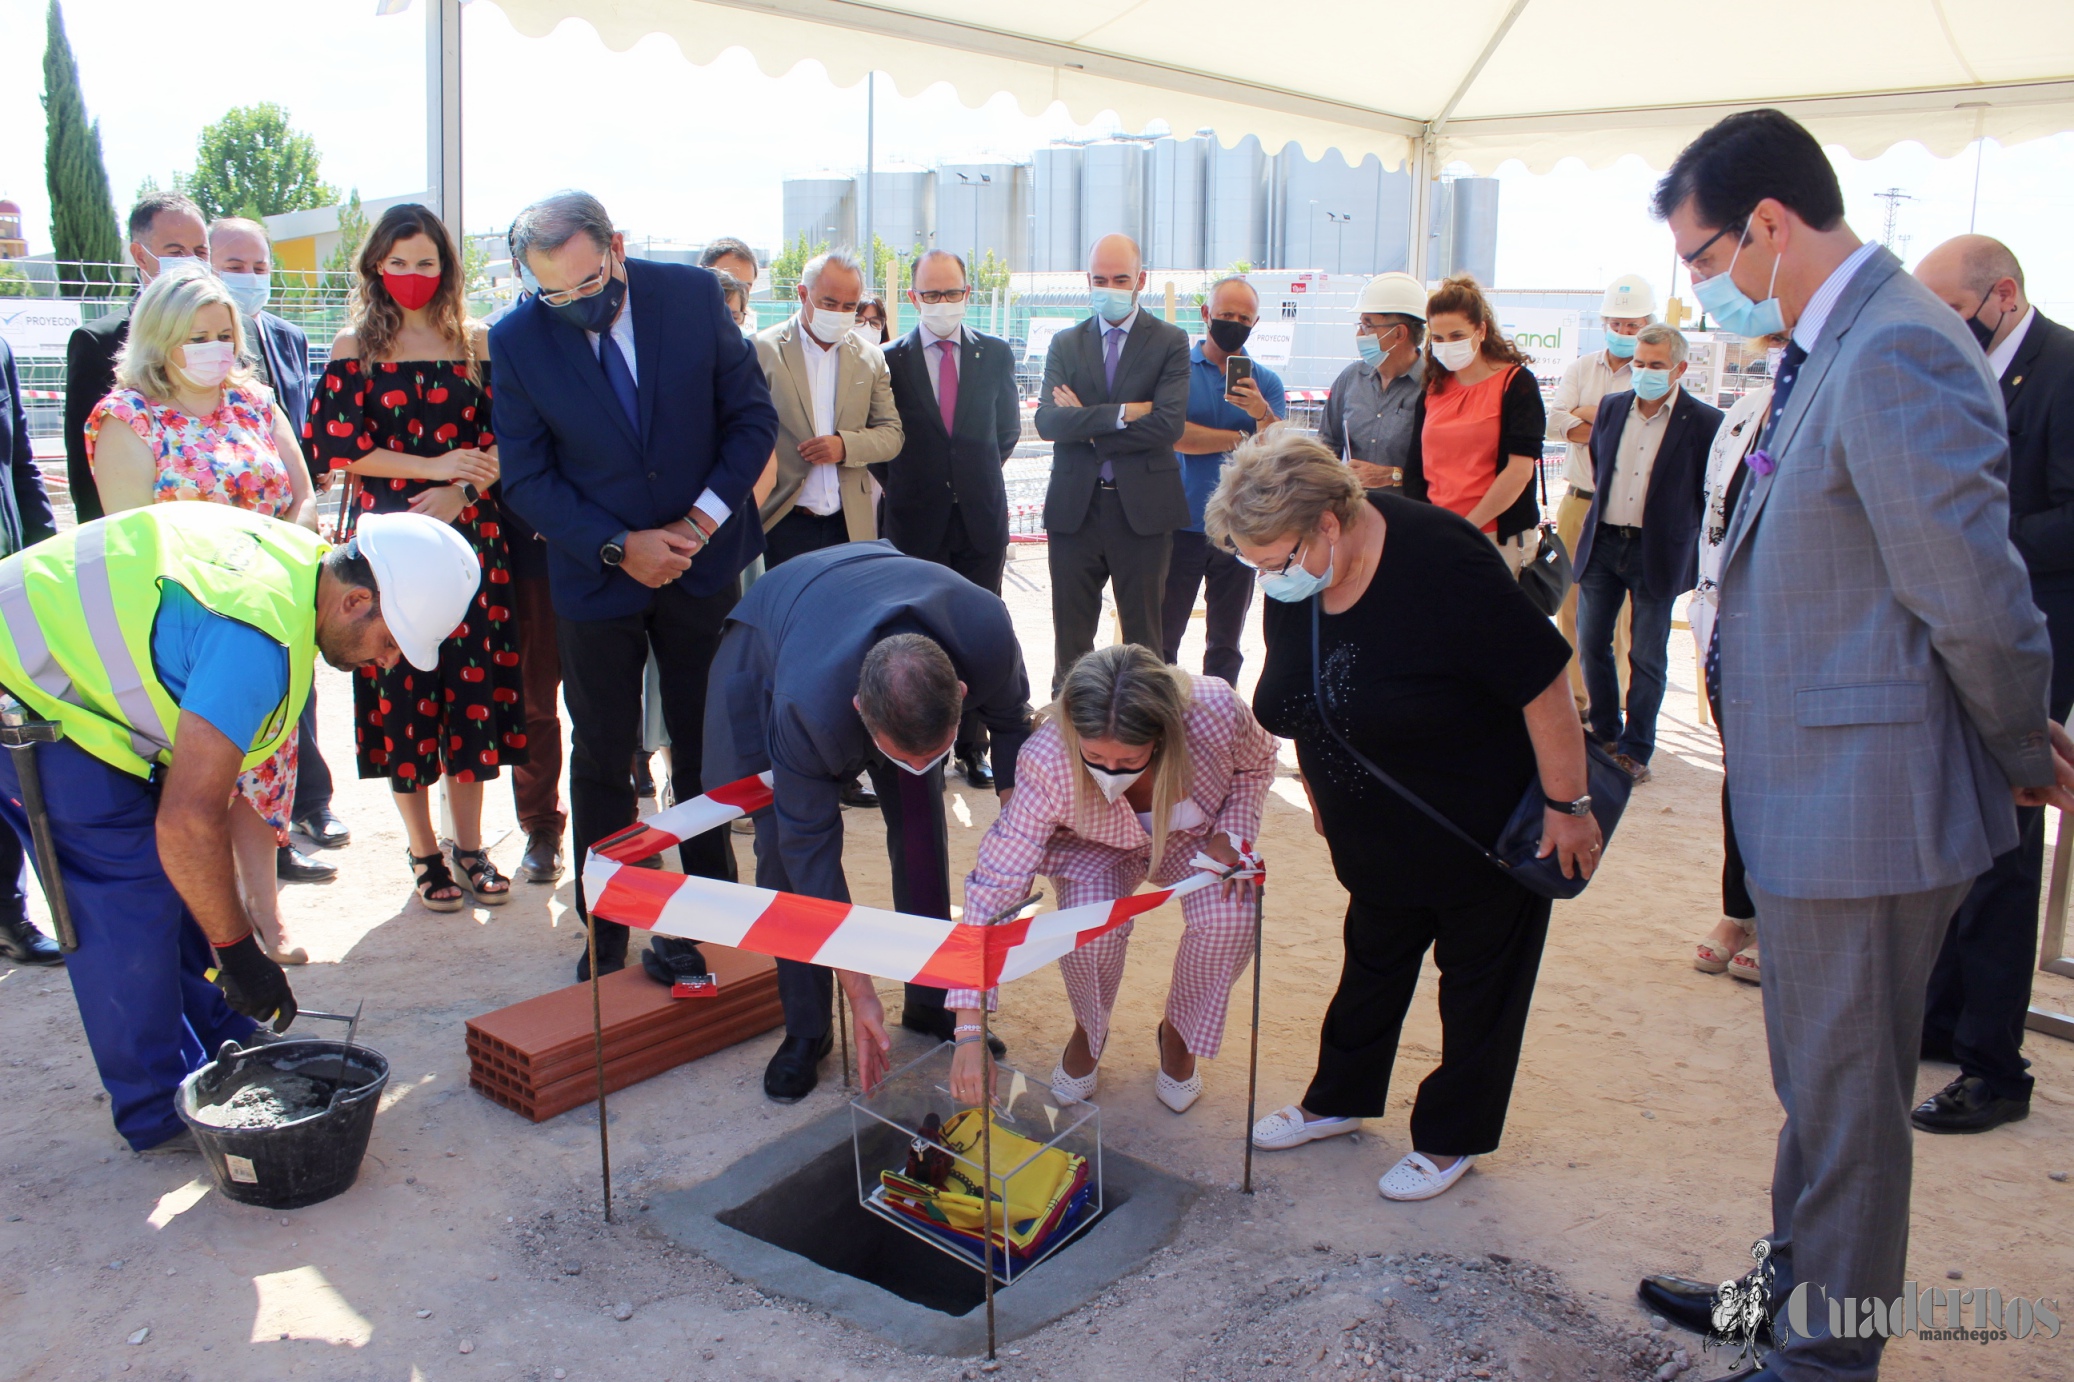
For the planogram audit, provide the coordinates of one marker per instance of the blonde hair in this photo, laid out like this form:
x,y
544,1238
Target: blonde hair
x,y
1127,693
1278,485
160,324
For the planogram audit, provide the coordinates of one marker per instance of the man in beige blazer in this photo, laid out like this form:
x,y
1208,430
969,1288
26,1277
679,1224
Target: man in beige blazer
x,y
835,416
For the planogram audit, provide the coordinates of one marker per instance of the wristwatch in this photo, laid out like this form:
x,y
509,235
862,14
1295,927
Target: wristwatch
x,y
613,552
1580,807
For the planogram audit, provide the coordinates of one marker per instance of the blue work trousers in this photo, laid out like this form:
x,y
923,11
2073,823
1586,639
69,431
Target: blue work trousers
x,y
150,1015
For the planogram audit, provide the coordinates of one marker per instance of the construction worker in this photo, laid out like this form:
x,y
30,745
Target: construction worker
x,y
174,645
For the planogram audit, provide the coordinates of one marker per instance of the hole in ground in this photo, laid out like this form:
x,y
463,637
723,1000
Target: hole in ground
x,y
814,1212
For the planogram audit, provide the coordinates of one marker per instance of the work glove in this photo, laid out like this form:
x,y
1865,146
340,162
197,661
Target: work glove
x,y
253,984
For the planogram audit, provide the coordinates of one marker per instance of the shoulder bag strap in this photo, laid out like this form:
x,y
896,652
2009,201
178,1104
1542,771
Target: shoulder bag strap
x,y
1325,714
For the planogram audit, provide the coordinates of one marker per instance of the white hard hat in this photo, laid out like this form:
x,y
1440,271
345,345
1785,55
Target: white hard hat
x,y
426,573
1628,296
1396,293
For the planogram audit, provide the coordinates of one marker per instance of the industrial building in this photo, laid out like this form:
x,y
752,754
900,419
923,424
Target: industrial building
x,y
1189,200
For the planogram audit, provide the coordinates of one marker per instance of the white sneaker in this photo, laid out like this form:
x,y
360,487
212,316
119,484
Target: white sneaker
x,y
1288,1127
1179,1095
1073,1091
1416,1178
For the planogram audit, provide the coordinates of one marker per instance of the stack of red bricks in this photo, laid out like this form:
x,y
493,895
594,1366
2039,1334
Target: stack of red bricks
x,y
539,1058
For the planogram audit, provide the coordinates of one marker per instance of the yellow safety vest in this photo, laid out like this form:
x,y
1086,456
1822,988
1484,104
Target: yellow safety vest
x,y
77,610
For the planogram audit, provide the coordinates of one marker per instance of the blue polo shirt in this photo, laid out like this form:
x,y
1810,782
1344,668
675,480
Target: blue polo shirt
x,y
228,673
1207,408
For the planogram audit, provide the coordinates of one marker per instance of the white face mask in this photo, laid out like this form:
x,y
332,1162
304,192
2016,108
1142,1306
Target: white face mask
x,y
1110,781
1454,355
206,364
924,770
829,327
943,318
250,291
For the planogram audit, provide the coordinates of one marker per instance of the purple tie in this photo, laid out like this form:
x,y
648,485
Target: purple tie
x,y
947,381
1109,354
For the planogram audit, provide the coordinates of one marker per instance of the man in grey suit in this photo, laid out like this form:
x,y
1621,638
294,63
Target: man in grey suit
x,y
849,659
1113,403
1883,677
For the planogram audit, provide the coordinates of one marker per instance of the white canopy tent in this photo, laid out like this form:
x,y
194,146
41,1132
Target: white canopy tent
x,y
1469,81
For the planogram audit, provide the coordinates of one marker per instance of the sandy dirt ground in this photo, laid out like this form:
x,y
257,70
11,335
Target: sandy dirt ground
x,y
1640,1139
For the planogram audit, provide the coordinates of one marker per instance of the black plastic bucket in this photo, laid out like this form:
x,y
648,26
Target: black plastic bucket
x,y
289,1165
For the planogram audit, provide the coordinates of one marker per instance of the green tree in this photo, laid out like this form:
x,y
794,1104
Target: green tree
x,y
253,163
787,265
82,209
14,283
352,234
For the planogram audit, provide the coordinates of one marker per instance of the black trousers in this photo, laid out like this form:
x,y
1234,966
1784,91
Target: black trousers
x,y
800,532
1489,952
983,567
312,773
1735,887
1980,990
918,846
1104,551
602,666
1197,561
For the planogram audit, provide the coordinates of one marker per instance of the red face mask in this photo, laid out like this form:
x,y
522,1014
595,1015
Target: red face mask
x,y
411,291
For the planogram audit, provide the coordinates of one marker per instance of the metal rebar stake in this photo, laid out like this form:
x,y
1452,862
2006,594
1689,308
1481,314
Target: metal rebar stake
x,y
1253,1055
598,1037
986,1164
842,1025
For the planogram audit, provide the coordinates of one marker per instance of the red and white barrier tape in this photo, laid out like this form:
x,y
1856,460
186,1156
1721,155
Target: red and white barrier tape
x,y
868,940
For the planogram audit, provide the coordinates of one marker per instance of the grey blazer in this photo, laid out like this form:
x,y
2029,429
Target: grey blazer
x,y
1883,669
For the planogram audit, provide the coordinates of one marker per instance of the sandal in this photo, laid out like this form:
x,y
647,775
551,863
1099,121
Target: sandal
x,y
429,875
1711,958
480,877
1745,967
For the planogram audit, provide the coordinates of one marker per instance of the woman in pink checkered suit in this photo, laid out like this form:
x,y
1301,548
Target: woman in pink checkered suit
x,y
1139,769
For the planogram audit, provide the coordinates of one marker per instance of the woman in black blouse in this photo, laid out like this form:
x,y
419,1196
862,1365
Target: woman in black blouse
x,y
1437,668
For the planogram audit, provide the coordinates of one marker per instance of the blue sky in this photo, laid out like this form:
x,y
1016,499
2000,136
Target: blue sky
x,y
688,153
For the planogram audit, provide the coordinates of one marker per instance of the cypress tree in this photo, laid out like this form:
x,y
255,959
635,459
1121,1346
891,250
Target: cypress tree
x,y
82,210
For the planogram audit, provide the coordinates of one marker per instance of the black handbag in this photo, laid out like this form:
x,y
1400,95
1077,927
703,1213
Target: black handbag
x,y
1515,854
1547,578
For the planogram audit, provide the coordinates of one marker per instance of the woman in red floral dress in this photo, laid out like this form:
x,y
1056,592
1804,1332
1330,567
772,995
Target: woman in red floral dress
x,y
405,410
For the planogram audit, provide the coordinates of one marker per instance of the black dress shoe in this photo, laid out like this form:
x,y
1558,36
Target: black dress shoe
x,y
795,1070
973,768
855,793
542,862
670,958
1968,1105
1687,1303
326,831
607,964
942,1024
21,942
644,776
291,865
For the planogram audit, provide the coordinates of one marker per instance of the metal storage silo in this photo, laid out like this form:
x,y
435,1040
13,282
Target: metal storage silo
x,y
1112,193
1235,190
1055,242
1174,203
823,208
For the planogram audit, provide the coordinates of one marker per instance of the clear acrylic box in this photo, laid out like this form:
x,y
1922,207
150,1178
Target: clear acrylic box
x,y
886,1123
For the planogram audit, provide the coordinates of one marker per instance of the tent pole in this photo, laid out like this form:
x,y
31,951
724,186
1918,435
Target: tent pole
x,y
1419,239
598,1042
1253,1053
443,111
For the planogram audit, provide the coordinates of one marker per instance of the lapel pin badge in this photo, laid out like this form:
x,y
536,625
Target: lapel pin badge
x,y
1762,463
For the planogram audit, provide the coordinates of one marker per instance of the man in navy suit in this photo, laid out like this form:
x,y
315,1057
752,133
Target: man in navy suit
x,y
280,356
1641,539
25,518
632,422
961,419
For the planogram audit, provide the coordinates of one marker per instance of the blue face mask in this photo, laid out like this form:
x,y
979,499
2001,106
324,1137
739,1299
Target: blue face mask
x,y
1620,347
249,291
1371,350
1294,583
1112,305
1651,384
1731,307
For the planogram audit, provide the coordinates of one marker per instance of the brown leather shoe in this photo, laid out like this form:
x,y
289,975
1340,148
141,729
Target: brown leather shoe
x,y
1634,768
543,858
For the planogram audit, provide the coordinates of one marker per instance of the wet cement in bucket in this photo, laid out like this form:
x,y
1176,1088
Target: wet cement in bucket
x,y
263,1097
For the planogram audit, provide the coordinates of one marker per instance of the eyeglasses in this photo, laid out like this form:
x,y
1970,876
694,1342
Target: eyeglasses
x,y
1736,229
589,288
936,295
1263,572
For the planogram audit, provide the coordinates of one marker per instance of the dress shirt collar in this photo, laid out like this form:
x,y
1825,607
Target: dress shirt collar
x,y
1663,414
1106,326
1808,330
2004,355
930,340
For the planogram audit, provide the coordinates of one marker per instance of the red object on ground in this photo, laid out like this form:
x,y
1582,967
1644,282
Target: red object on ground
x,y
538,1058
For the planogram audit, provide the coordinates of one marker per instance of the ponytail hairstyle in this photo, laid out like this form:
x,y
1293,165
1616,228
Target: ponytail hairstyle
x,y
1462,296
1127,693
